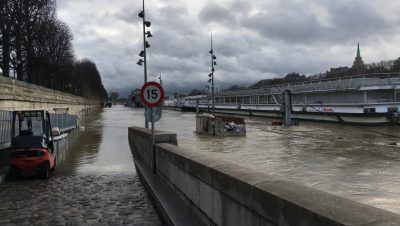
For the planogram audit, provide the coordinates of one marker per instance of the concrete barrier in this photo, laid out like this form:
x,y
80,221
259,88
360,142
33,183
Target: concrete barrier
x,y
222,193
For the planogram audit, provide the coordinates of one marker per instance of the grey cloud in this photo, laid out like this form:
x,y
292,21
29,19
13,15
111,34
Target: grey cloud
x,y
100,40
240,7
253,39
178,45
295,24
129,16
287,26
217,14
359,19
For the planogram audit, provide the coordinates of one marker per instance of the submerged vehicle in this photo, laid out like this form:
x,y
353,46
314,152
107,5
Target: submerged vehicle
x,y
32,147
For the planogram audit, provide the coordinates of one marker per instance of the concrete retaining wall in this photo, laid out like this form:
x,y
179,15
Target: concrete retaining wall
x,y
222,193
139,140
17,95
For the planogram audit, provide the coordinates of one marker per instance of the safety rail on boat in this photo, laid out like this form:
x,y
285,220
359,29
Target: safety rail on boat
x,y
343,83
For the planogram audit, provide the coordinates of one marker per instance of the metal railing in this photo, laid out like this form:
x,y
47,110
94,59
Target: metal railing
x,y
63,121
5,126
344,83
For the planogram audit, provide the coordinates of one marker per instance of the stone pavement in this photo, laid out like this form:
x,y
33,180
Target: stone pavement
x,y
76,200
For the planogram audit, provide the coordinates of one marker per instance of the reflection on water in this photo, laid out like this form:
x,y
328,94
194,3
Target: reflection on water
x,y
102,148
340,159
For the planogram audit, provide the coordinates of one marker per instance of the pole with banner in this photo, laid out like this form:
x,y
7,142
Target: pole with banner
x,y
152,95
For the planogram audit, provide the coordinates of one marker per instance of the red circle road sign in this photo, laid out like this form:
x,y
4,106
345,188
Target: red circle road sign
x,y
152,94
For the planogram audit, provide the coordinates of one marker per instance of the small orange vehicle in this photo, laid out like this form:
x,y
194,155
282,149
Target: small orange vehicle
x,y
32,148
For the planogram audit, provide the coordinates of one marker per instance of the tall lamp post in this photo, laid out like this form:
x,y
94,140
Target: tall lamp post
x,y
211,75
143,62
159,78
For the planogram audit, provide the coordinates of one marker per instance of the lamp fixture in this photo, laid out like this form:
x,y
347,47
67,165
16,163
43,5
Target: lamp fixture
x,y
141,14
141,54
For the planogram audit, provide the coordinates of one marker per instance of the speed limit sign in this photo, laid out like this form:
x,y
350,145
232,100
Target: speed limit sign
x,y
152,94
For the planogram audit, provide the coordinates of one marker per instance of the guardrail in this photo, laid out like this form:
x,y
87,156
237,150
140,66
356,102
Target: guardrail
x,y
343,83
64,122
5,126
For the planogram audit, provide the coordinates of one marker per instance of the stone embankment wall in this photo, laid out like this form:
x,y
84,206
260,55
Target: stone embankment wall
x,y
17,95
222,193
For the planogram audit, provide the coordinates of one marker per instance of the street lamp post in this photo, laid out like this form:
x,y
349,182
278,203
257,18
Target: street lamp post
x,y
211,75
145,46
159,78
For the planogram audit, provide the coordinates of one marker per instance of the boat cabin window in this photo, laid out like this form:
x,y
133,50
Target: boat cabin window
x,y
393,109
369,110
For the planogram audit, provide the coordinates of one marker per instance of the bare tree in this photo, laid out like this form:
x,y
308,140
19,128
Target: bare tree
x,y
5,31
38,47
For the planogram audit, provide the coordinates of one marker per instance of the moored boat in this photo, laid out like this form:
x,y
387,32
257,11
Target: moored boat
x,y
362,99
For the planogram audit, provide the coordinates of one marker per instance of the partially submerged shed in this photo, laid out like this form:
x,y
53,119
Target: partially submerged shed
x,y
220,125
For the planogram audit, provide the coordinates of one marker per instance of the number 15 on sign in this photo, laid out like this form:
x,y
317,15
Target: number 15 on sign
x,y
152,94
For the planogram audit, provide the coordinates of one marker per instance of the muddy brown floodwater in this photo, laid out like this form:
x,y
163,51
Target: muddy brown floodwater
x,y
340,159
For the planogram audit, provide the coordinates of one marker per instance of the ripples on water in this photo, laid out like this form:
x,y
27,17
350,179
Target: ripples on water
x,y
340,159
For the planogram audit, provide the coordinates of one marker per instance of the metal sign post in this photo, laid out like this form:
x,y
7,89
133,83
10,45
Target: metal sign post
x,y
152,95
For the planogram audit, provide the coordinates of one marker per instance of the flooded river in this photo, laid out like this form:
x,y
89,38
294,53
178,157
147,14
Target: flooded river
x,y
340,159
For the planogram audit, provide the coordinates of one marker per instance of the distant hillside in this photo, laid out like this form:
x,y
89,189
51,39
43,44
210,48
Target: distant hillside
x,y
389,66
289,78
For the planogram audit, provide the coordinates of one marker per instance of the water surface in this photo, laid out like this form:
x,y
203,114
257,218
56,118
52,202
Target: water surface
x,y
340,159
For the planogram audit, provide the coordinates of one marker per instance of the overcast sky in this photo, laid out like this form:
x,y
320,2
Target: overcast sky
x,y
253,40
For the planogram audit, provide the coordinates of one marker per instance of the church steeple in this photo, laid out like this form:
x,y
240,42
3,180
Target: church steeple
x,y
358,64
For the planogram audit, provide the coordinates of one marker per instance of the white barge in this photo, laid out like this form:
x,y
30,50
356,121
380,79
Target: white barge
x,y
363,99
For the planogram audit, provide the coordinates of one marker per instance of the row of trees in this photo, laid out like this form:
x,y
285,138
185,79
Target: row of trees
x,y
390,66
36,47
292,77
384,66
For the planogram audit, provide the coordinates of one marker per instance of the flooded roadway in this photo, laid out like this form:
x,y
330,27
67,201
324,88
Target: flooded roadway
x,y
97,182
95,185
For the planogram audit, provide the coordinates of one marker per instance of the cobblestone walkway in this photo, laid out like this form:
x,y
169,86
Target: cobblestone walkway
x,y
76,200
